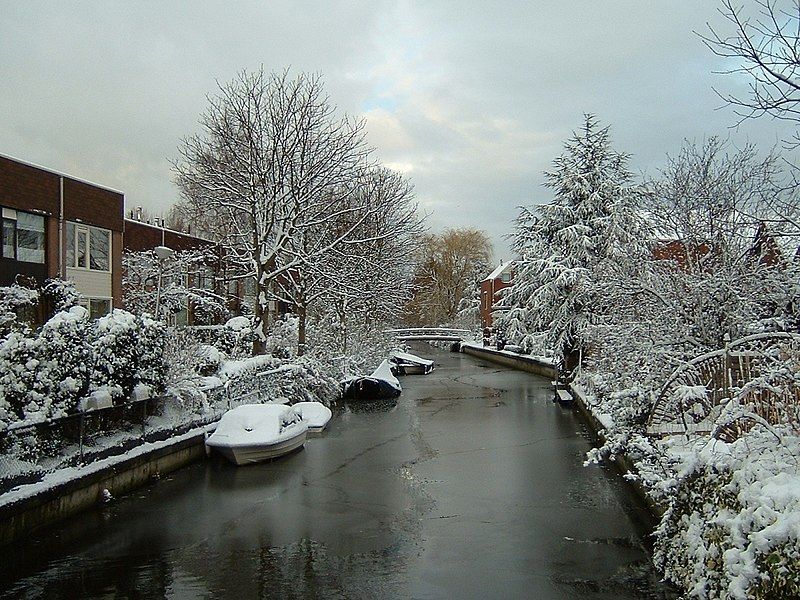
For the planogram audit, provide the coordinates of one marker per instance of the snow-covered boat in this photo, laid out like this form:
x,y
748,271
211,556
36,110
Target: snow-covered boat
x,y
315,414
404,363
254,432
379,385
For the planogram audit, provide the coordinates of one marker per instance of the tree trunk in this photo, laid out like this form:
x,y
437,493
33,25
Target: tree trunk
x,y
301,330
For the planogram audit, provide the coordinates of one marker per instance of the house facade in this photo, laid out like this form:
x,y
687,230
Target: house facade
x,y
501,278
55,225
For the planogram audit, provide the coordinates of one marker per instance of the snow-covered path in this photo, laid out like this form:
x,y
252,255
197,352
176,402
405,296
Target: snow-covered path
x,y
471,485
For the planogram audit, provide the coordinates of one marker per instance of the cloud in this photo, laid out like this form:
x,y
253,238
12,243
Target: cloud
x,y
472,101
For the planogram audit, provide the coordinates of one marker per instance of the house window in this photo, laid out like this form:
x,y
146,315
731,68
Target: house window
x,y
23,236
99,307
9,239
505,278
88,247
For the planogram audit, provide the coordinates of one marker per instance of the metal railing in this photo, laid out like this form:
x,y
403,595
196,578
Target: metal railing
x,y
430,333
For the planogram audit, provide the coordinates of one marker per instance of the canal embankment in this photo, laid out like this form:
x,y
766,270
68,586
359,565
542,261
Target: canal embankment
x,y
68,491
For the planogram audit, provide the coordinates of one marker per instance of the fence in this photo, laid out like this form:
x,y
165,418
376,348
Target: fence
x,y
693,398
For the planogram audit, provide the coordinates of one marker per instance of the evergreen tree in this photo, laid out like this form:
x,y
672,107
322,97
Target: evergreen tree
x,y
569,246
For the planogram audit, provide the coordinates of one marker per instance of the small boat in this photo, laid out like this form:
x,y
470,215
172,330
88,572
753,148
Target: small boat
x,y
404,363
315,414
255,432
379,385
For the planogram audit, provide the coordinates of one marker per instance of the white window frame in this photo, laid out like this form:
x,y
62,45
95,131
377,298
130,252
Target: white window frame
x,y
82,228
86,303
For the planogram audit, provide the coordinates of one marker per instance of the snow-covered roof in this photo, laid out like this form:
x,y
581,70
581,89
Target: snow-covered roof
x,y
499,270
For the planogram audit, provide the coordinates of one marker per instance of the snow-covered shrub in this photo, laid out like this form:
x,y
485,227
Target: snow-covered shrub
x,y
282,339
732,529
128,349
14,300
60,294
234,338
65,360
187,364
20,390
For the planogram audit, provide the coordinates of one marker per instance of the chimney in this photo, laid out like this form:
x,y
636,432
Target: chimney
x,y
138,213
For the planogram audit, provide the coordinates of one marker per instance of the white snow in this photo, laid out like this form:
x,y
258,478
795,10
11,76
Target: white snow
x,y
315,414
384,373
238,323
499,270
256,424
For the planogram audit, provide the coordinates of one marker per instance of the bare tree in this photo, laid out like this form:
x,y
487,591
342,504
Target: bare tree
x,y
272,165
449,265
365,274
768,48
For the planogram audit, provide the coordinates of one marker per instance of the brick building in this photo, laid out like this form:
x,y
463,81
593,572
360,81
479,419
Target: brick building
x,y
55,225
497,280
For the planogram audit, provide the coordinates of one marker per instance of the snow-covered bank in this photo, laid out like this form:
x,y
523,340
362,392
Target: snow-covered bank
x,y
538,365
731,511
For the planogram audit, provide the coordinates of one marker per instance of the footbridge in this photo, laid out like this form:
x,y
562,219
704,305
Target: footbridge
x,y
434,334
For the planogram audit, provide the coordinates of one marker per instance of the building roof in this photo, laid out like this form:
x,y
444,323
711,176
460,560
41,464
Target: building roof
x,y
499,270
61,174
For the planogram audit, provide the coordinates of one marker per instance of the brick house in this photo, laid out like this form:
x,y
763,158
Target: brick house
x,y
55,225
141,236
497,280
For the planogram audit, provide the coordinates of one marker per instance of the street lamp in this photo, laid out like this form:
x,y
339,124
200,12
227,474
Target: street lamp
x,y
162,254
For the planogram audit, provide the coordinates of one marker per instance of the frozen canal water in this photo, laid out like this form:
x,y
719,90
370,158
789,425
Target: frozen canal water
x,y
471,486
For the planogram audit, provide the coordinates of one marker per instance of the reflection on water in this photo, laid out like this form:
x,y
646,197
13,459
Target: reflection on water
x,y
371,406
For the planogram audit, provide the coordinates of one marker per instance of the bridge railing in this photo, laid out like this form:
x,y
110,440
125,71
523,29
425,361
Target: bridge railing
x,y
433,334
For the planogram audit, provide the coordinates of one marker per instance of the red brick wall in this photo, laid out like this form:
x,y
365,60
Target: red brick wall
x,y
93,205
28,188
142,236
51,246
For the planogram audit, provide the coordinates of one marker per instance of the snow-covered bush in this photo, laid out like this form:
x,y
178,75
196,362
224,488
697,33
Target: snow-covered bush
x,y
60,294
65,360
283,335
20,389
14,300
732,529
128,349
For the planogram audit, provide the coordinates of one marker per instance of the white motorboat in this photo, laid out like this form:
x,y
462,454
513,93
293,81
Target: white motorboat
x,y
254,432
404,363
315,414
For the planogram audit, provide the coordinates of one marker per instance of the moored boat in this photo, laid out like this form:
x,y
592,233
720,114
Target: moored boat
x,y
404,363
255,432
379,385
315,414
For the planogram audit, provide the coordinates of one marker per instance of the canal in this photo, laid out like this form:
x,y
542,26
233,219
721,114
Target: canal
x,y
470,486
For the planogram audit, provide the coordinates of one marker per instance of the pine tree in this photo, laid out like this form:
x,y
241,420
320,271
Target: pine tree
x,y
567,244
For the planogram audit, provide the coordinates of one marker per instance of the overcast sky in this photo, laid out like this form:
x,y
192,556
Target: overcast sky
x,y
471,100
